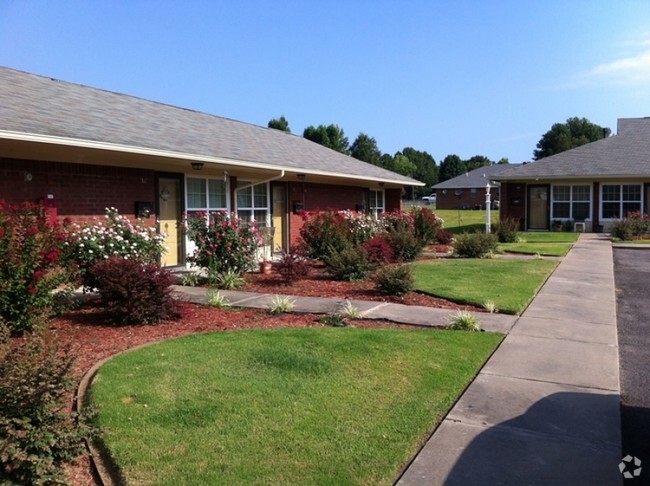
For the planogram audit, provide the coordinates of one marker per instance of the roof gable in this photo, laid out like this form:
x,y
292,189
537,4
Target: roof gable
x,y
626,154
38,105
476,178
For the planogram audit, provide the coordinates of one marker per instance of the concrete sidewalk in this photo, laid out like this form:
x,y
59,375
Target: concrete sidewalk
x,y
545,408
404,314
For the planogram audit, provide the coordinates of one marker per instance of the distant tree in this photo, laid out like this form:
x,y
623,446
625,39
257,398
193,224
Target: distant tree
x,y
450,167
387,161
280,124
426,169
503,160
564,136
476,162
330,136
365,148
402,165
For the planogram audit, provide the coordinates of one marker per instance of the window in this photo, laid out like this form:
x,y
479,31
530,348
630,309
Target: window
x,y
253,203
376,202
571,202
620,199
205,195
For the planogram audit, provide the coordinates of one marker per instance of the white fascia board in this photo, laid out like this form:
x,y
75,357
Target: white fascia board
x,y
91,144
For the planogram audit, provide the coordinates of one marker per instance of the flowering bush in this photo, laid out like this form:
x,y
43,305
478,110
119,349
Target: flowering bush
x,y
225,244
633,225
115,236
327,231
29,265
444,237
426,225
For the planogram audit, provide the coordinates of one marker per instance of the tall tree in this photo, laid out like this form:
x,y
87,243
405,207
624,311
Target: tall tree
x,y
476,162
365,148
426,169
503,160
330,136
279,124
450,167
564,136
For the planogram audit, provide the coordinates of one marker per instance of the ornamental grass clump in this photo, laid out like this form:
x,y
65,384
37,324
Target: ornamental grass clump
x,y
30,266
463,321
115,236
224,243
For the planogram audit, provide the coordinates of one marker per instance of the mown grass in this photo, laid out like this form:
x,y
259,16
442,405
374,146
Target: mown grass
x,y
548,237
469,220
284,406
546,244
511,284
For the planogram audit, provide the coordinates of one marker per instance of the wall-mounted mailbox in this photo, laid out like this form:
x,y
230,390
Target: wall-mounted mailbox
x,y
298,207
143,209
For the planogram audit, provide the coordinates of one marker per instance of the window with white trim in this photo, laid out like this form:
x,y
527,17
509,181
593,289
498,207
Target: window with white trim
x,y
376,205
617,200
205,195
253,203
571,202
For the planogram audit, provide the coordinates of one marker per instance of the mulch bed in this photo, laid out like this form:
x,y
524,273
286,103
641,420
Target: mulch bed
x,y
95,340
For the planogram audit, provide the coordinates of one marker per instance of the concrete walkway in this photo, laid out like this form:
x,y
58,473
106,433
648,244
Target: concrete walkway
x,y
545,408
400,313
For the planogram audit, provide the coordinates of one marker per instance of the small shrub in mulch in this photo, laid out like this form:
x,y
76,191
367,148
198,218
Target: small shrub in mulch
x,y
394,279
475,245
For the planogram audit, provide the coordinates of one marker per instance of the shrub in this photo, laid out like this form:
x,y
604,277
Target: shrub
x,y
29,266
406,247
634,225
398,221
327,231
134,292
334,320
426,225
475,245
350,263
225,244
379,251
444,237
115,236
463,321
292,265
394,280
506,230
37,435
324,232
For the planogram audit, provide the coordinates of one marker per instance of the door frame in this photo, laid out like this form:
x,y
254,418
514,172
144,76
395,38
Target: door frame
x,y
180,177
548,206
285,213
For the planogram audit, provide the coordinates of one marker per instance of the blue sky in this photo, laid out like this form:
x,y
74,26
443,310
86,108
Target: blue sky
x,y
463,77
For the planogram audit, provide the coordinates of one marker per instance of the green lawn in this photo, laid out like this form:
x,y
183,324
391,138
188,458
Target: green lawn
x,y
546,243
548,237
510,284
283,406
460,220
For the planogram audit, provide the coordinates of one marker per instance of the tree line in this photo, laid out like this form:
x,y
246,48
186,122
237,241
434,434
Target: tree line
x,y
420,165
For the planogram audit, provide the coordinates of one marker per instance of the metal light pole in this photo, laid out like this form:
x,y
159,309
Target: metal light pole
x,y
488,217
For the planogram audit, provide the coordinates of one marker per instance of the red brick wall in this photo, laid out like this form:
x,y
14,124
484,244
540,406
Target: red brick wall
x,y
513,202
465,200
80,192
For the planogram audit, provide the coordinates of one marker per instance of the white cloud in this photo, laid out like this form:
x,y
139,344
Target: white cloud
x,y
631,67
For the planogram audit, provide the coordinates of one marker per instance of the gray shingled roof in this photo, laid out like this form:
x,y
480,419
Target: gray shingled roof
x,y
626,154
39,105
475,178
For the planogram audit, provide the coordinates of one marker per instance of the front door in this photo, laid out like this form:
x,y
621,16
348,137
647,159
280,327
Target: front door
x,y
279,193
169,217
538,208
